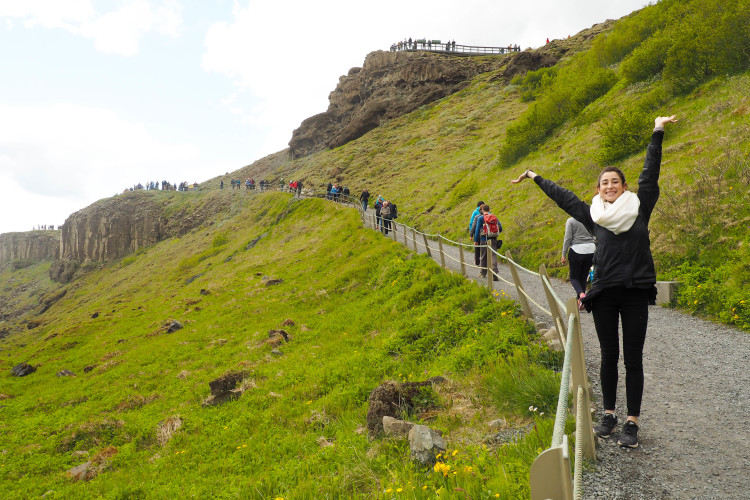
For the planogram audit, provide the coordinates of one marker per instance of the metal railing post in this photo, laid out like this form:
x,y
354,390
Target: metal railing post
x,y
519,286
442,254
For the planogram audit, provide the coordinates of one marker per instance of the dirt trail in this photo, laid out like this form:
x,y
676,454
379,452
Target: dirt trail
x,y
693,437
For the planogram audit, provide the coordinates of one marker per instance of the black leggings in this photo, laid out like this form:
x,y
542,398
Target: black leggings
x,y
579,264
608,307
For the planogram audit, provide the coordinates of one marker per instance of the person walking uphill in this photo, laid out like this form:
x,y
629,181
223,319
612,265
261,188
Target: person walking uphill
x,y
363,198
578,246
625,277
486,230
472,220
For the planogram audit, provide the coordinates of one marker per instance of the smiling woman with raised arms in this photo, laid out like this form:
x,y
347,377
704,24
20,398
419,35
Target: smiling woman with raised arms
x,y
624,274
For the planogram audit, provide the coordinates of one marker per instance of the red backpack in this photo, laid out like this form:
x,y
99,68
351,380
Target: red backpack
x,y
492,227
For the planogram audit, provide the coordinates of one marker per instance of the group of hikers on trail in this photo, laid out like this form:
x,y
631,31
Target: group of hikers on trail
x,y
484,230
385,212
249,184
165,186
295,187
334,192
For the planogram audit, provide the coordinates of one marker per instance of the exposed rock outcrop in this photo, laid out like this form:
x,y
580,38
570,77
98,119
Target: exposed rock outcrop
x,y
112,228
32,245
388,85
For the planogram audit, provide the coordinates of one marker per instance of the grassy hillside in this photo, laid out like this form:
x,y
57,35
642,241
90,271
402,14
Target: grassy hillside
x,y
595,108
364,310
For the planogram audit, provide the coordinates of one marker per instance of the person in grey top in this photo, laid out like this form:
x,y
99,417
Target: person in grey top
x,y
578,246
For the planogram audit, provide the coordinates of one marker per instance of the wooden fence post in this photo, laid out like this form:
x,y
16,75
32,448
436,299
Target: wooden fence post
x,y
426,245
461,256
490,276
519,286
442,254
414,239
549,475
557,315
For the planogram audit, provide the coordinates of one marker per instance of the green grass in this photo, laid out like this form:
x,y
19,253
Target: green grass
x,y
365,310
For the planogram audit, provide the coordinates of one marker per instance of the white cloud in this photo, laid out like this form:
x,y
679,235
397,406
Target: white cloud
x,y
77,152
116,32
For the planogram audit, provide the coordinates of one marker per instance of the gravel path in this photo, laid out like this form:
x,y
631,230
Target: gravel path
x,y
693,434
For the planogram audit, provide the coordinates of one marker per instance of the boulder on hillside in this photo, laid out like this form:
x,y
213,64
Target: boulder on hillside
x,y
394,427
173,326
425,444
224,388
226,382
65,373
22,369
392,399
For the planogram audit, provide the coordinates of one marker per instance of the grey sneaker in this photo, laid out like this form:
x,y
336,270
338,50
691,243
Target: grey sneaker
x,y
607,425
629,435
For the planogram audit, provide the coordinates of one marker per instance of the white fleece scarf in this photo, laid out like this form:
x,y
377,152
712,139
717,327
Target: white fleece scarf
x,y
619,216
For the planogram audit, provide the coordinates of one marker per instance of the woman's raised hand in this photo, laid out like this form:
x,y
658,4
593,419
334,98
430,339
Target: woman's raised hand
x,y
528,174
660,121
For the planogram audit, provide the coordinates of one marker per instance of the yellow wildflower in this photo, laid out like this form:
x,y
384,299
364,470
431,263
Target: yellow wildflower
x,y
399,490
423,487
389,490
455,452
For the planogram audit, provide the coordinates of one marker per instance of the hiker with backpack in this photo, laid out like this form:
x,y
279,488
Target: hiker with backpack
x,y
487,228
625,283
472,220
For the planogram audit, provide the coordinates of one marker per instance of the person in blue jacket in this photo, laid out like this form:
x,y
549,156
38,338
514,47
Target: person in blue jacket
x,y
471,230
625,281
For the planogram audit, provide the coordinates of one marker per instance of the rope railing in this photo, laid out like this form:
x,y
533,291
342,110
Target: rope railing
x,y
550,474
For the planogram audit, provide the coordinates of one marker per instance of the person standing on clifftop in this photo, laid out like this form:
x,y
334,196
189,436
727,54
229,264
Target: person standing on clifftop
x,y
625,276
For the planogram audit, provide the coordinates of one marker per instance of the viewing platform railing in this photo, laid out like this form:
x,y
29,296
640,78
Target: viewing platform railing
x,y
451,48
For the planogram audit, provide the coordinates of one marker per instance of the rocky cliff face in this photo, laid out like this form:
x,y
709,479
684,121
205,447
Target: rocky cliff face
x,y
32,245
388,85
110,229
114,227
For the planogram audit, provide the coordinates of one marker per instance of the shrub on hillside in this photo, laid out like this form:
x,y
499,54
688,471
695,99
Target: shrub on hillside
x,y
623,134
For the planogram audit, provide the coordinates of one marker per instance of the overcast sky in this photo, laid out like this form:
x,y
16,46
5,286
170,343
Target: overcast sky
x,y
98,95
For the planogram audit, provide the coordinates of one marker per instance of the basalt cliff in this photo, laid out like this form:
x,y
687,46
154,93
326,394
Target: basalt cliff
x,y
29,246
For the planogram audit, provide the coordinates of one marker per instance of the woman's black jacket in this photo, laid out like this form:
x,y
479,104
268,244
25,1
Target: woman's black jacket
x,y
620,259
